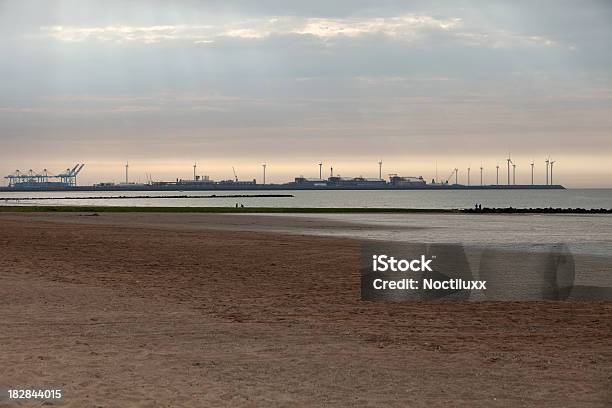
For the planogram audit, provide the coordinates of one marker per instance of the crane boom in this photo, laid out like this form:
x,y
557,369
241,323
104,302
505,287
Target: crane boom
x,y
451,175
78,170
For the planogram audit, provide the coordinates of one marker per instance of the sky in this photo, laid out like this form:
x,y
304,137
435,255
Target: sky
x,y
419,85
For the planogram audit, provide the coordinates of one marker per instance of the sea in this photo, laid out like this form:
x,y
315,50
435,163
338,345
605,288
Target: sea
x,y
422,199
583,241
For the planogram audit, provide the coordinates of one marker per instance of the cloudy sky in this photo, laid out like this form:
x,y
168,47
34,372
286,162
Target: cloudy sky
x,y
349,82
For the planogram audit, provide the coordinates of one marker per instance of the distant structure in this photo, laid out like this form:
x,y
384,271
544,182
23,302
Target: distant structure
x,y
497,175
67,180
436,179
551,168
31,180
399,181
264,172
509,160
395,181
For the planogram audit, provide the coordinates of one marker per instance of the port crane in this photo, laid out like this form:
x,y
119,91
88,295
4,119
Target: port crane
x,y
70,175
454,172
68,178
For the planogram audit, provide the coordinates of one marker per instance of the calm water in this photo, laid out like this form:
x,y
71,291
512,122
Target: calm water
x,y
584,198
587,234
588,238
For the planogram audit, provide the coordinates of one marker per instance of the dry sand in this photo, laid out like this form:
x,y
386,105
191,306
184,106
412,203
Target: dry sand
x,y
135,315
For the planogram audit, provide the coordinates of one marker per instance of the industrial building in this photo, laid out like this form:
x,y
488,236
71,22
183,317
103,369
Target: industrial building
x,y
399,181
339,182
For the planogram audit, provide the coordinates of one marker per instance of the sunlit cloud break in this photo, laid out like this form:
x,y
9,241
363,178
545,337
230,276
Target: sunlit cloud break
x,y
407,28
123,33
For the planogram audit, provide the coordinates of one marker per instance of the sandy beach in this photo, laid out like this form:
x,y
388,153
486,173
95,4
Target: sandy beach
x,y
121,311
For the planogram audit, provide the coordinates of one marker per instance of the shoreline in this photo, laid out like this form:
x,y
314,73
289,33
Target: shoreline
x,y
299,210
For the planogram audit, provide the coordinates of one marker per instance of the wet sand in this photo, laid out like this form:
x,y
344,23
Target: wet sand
x,y
128,312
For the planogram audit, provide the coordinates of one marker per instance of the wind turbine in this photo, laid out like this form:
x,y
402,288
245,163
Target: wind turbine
x,y
320,170
547,162
127,165
380,170
532,172
468,176
481,174
551,169
509,162
497,175
264,172
194,170
436,171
